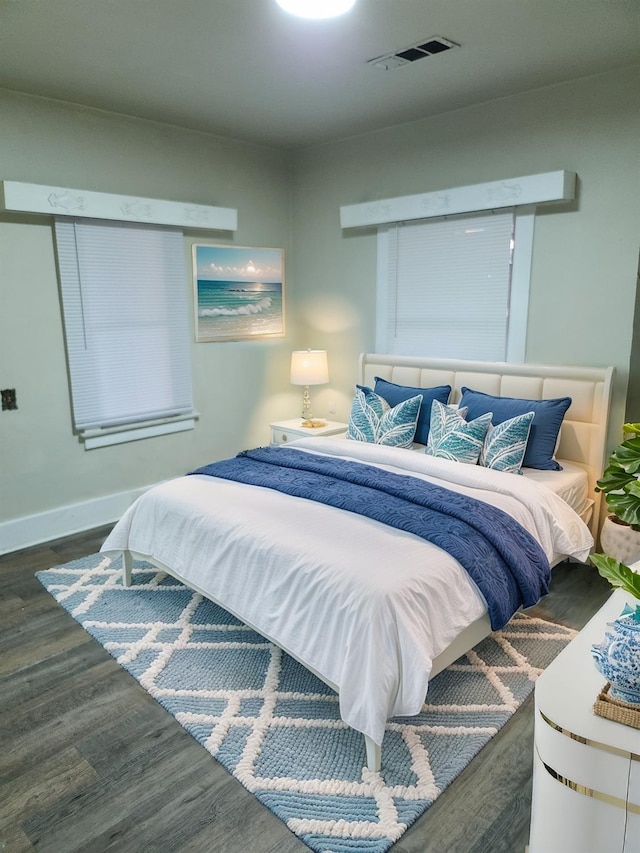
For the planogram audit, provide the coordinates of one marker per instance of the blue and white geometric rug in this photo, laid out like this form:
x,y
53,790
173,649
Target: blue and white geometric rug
x,y
276,727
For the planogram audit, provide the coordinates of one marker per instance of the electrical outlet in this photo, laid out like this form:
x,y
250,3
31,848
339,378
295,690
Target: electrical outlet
x,y
332,407
8,399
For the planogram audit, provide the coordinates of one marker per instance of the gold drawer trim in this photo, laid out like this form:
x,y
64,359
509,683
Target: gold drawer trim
x,y
587,742
631,808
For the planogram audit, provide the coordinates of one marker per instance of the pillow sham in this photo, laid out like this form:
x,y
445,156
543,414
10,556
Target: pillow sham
x,y
545,426
505,444
372,419
395,394
451,437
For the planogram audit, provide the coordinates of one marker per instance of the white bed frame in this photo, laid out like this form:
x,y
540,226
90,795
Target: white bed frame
x,y
582,441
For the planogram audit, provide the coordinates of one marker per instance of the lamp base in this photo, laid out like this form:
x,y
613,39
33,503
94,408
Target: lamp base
x,y
312,423
308,421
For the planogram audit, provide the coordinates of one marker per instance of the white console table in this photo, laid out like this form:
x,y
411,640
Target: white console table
x,y
586,769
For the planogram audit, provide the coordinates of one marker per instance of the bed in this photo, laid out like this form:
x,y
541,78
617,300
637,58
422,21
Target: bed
x,y
373,610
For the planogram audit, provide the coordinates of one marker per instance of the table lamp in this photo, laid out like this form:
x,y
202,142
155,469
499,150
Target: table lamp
x,y
309,367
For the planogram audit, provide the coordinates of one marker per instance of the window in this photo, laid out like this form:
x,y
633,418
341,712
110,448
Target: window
x,y
444,286
126,318
430,309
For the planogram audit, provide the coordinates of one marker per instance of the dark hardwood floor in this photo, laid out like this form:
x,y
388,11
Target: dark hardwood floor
x,y
90,762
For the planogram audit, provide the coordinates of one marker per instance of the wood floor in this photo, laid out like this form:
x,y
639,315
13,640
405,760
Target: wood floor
x,y
90,762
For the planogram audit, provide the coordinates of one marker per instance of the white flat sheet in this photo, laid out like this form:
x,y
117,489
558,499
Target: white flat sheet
x,y
571,484
366,606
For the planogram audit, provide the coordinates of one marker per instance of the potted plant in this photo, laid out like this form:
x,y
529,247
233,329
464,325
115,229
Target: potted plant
x,y
618,575
618,656
620,534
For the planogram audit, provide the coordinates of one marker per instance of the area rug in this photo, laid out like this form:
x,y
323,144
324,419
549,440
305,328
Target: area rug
x,y
276,727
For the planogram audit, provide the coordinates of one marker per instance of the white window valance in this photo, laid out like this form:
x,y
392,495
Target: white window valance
x,y
62,201
547,188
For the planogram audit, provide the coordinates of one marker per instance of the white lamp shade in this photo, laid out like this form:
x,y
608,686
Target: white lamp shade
x,y
309,367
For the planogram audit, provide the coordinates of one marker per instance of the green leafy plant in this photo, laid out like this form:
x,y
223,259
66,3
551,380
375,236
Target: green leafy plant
x,y
617,573
619,482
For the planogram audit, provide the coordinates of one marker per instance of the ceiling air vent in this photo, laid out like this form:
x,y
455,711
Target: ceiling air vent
x,y
426,47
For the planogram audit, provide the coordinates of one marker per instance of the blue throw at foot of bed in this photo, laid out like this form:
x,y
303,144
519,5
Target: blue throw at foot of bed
x,y
508,565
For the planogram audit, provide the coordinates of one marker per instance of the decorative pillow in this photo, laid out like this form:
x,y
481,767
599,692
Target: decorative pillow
x,y
505,444
548,415
372,419
451,437
461,410
395,394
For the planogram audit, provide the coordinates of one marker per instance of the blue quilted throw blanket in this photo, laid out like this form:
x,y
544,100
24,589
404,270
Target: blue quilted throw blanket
x,y
508,565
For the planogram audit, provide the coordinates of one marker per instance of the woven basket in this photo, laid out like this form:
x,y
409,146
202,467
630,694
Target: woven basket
x,y
613,709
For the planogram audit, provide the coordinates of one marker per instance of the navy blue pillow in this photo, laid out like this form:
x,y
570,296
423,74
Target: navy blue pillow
x,y
545,426
395,394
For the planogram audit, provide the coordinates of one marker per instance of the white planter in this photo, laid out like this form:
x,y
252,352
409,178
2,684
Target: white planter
x,y
620,541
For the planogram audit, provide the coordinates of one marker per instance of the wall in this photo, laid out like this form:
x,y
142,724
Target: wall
x,y
238,387
583,279
585,255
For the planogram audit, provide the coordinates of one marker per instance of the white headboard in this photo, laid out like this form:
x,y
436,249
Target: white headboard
x,y
584,429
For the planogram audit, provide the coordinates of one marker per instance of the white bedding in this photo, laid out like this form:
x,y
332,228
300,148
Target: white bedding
x,y
571,484
365,606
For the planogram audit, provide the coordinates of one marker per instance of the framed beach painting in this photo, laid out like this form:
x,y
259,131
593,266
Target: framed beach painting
x,y
238,292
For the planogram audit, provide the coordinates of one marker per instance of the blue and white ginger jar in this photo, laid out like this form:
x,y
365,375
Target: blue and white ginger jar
x,y
617,657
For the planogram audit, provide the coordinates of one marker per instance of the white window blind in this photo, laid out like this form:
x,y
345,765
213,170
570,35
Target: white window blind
x,y
444,287
126,318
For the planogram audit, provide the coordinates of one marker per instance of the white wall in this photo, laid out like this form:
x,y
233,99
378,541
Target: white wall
x,y
238,387
586,253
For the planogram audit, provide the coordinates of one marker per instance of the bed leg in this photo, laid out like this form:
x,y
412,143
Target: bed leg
x,y
127,566
373,754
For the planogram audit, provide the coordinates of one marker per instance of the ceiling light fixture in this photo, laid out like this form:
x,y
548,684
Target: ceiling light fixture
x,y
316,8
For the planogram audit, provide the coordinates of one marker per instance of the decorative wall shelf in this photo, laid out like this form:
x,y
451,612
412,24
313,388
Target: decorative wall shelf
x,y
62,201
513,192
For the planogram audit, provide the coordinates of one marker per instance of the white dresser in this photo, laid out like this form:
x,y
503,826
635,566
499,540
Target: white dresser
x,y
586,769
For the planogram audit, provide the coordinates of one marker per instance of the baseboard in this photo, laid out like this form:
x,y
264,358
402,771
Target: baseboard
x,y
65,520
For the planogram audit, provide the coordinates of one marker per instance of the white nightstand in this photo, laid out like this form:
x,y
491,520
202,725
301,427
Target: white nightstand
x,y
586,769
284,431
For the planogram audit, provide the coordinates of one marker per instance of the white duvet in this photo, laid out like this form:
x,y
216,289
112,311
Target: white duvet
x,y
366,606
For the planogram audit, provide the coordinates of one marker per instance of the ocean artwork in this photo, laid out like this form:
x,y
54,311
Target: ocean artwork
x,y
239,292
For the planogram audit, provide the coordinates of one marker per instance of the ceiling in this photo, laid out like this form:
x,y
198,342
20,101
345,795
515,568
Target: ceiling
x,y
247,70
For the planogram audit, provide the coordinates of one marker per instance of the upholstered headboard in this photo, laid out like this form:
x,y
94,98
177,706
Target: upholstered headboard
x,y
584,429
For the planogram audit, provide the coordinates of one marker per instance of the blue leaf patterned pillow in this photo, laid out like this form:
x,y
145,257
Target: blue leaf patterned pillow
x,y
451,437
395,394
372,419
506,443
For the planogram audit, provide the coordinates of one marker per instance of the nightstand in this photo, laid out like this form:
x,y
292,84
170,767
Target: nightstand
x,y
284,431
586,769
